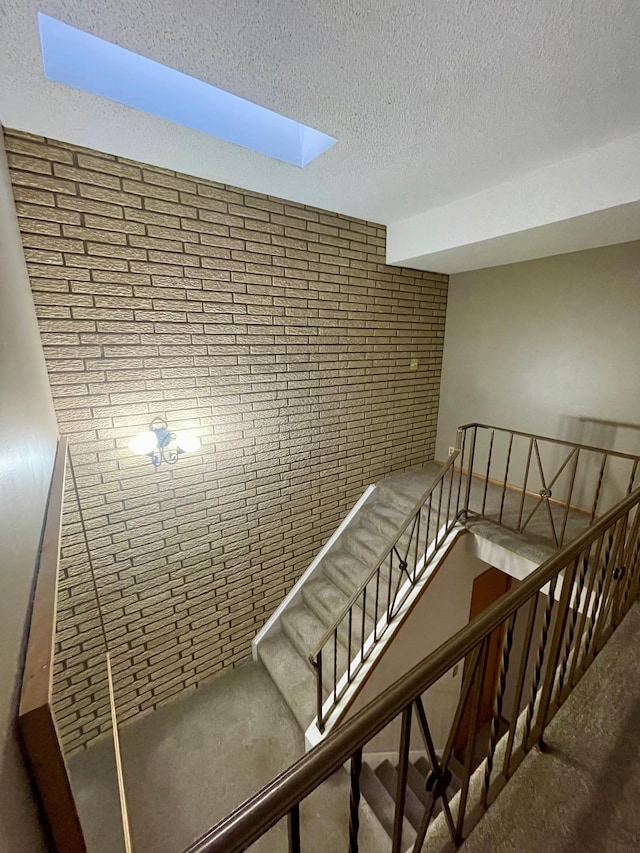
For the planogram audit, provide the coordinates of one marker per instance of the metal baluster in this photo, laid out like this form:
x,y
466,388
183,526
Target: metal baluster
x,y
424,826
396,587
354,801
467,683
602,576
539,661
524,485
364,617
428,533
335,666
593,569
573,618
522,672
611,575
598,487
416,547
375,611
389,587
544,499
631,559
451,472
426,733
627,563
571,485
473,734
350,630
486,479
401,789
294,829
506,476
440,786
440,488
497,708
318,664
472,453
461,458
554,649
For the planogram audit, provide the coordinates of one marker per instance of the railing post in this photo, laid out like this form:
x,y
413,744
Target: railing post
x,y
354,801
401,789
472,450
293,822
318,666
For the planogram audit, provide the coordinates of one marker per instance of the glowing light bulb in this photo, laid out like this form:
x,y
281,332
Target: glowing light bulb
x,y
144,442
187,442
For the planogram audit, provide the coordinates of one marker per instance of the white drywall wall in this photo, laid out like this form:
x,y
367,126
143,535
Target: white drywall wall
x,y
441,611
29,436
550,346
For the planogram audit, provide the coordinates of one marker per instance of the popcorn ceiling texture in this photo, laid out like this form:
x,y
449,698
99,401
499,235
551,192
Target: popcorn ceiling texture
x,y
276,332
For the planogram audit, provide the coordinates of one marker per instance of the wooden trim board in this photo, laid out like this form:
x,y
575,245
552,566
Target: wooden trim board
x,y
35,716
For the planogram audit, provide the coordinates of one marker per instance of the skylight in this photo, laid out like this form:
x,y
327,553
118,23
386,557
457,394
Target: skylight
x,y
87,62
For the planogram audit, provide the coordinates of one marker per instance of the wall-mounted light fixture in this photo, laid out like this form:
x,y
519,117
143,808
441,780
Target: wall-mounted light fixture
x,y
162,445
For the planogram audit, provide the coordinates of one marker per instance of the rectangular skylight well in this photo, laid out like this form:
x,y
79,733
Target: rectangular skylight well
x,y
87,62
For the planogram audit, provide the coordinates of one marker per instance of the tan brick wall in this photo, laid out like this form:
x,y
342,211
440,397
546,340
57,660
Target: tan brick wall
x,y
274,330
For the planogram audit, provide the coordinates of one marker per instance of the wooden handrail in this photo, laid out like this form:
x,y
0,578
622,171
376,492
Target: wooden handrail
x,y
264,809
38,668
35,716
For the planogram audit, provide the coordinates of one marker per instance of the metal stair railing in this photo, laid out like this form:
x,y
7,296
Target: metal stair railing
x,y
379,598
523,482
563,613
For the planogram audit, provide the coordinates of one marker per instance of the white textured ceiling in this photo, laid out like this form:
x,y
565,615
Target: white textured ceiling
x,y
430,101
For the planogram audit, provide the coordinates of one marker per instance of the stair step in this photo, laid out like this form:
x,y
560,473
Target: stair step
x,y
400,501
422,766
305,631
365,543
383,805
413,808
292,676
418,784
337,575
327,601
345,570
383,518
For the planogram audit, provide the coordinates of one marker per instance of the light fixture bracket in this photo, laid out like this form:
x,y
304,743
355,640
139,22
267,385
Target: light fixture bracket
x,y
164,436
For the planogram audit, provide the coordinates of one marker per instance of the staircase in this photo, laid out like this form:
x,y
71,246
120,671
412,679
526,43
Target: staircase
x,y
340,573
379,788
551,628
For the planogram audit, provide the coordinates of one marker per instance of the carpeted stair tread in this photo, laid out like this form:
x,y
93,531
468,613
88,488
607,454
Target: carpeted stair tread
x,y
365,543
305,631
383,805
417,783
383,517
291,675
422,766
413,808
345,570
327,601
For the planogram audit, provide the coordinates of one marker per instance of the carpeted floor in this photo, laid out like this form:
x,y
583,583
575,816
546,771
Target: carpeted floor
x,y
583,795
192,761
